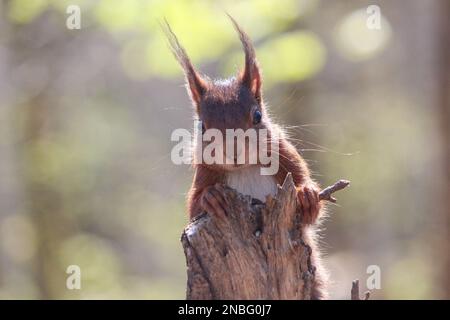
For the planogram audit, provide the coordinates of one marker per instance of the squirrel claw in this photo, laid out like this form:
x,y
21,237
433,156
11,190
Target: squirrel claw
x,y
213,201
308,203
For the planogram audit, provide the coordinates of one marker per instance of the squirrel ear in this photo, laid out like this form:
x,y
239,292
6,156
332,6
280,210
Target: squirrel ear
x,y
251,75
196,85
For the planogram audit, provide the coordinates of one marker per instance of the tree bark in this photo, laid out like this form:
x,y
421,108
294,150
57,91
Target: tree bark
x,y
257,252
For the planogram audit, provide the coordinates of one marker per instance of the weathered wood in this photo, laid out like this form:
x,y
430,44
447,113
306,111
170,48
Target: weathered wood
x,y
354,293
257,252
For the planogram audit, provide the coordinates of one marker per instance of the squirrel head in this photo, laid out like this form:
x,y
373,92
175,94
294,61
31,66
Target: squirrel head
x,y
233,103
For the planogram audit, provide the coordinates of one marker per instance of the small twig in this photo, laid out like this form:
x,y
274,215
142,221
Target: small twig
x,y
326,194
355,291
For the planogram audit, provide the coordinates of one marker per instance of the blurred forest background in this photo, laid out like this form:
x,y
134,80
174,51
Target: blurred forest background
x,y
86,117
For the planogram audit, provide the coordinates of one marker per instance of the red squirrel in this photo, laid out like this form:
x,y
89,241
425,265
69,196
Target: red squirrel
x,y
237,103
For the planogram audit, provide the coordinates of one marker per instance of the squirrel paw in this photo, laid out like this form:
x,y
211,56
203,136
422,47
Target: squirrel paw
x,y
308,203
213,201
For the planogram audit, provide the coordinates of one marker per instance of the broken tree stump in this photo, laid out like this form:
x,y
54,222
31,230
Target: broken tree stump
x,y
257,252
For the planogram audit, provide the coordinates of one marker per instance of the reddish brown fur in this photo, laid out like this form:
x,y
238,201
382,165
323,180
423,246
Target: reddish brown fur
x,y
229,105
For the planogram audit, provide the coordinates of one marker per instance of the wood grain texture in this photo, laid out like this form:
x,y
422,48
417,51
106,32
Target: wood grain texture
x,y
257,252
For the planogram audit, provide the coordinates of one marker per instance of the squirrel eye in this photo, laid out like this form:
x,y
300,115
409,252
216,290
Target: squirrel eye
x,y
257,117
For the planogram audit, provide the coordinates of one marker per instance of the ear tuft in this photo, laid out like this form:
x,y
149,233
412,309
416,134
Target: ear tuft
x,y
251,75
196,85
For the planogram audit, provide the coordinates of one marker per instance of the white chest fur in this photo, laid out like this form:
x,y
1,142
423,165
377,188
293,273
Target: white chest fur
x,y
250,181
